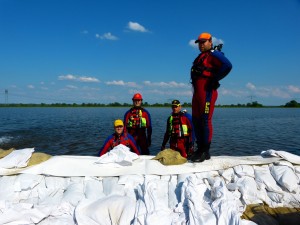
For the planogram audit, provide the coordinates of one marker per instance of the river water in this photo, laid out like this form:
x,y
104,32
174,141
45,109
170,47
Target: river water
x,y
82,131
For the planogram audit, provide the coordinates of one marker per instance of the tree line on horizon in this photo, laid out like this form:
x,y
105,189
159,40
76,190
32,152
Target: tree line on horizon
x,y
255,104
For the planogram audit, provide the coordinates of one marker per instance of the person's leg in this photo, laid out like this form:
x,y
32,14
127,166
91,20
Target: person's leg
x,y
203,109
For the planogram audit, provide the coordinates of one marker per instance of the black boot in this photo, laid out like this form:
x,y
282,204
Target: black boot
x,y
207,155
206,151
199,155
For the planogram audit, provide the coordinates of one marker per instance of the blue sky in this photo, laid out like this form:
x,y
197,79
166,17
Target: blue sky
x,y
81,51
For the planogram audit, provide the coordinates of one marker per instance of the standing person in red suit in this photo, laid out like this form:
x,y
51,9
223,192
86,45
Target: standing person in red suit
x,y
138,123
178,131
119,137
208,69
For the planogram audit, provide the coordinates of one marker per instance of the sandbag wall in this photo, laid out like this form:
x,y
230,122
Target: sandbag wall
x,y
214,197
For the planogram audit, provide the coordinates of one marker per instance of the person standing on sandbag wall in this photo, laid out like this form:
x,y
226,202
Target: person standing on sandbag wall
x,y
179,131
138,123
209,67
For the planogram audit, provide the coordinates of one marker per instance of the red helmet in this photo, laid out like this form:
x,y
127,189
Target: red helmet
x,y
137,96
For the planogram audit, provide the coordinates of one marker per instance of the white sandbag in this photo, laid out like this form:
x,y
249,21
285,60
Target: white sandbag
x,y
295,159
93,188
131,180
195,202
26,187
276,196
111,186
285,176
152,198
52,191
24,214
173,191
120,154
224,205
264,176
182,177
155,195
17,158
25,182
297,171
227,174
74,193
129,183
291,200
248,188
7,191
140,209
63,209
57,182
112,210
244,170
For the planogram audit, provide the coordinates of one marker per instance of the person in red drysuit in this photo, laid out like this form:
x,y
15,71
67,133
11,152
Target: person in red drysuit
x,y
138,123
179,131
208,69
119,137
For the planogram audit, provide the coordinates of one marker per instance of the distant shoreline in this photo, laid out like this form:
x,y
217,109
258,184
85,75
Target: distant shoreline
x,y
291,104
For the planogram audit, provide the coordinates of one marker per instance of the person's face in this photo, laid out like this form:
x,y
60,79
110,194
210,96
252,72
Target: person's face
x,y
205,45
137,103
176,109
119,130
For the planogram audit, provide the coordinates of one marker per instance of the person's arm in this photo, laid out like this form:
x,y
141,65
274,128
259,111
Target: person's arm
x,y
166,136
125,121
190,130
106,146
149,127
223,63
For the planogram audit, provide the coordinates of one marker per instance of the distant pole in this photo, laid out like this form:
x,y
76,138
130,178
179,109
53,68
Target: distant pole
x,y
251,98
6,96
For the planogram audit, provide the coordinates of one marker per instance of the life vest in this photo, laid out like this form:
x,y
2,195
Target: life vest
x,y
123,139
201,67
136,119
177,128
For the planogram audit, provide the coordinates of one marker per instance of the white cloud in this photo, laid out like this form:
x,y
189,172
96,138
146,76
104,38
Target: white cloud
x,y
121,83
30,86
67,77
171,84
71,87
78,78
250,86
293,89
217,41
88,79
136,27
84,32
193,44
107,36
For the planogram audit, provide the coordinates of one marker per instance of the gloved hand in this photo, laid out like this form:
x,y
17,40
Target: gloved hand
x,y
196,71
